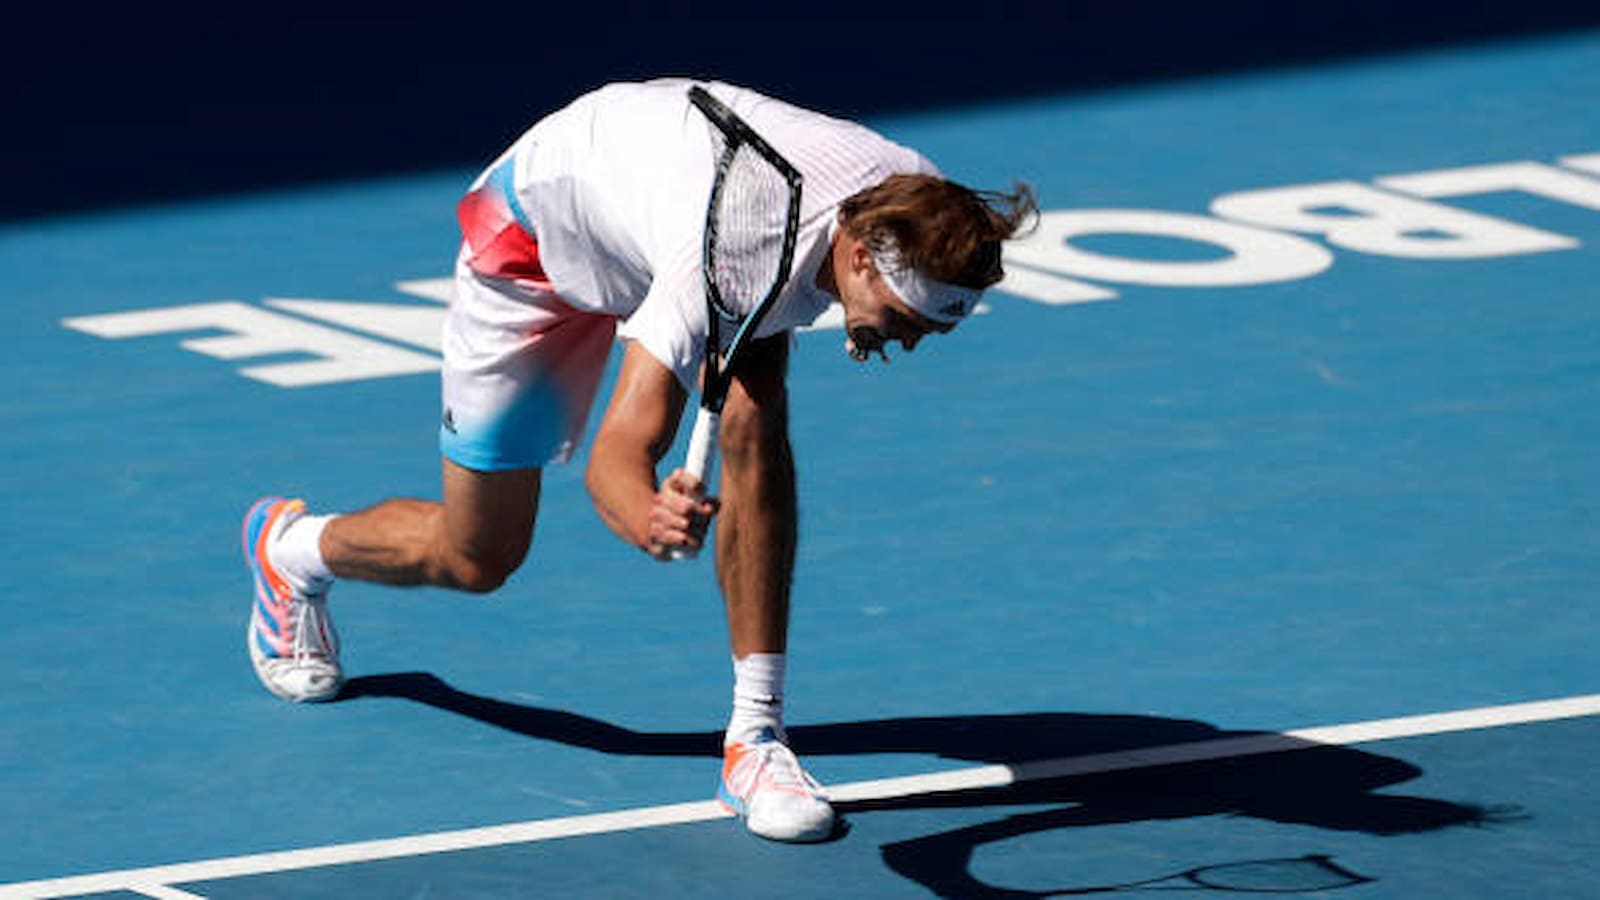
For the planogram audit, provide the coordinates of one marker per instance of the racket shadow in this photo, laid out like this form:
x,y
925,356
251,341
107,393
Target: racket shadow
x,y
1297,783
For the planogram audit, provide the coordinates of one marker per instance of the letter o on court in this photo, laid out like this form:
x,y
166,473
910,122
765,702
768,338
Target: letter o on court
x,y
1255,255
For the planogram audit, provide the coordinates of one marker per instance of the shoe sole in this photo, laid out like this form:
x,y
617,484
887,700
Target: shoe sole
x,y
734,806
258,662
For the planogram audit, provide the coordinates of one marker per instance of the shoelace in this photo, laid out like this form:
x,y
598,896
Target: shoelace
x,y
310,625
779,764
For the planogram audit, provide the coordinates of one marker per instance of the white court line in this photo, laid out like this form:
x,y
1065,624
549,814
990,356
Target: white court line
x,y
162,892
156,881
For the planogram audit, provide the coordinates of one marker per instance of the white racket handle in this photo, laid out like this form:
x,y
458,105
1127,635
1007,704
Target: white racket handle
x,y
702,444
702,452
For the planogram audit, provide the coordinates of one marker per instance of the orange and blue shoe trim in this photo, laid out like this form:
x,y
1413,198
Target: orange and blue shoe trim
x,y
730,794
731,757
273,631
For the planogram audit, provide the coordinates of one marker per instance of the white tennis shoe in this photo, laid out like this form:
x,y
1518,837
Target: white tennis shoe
x,y
293,644
763,783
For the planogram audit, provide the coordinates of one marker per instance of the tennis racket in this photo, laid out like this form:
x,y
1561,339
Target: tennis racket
x,y
752,220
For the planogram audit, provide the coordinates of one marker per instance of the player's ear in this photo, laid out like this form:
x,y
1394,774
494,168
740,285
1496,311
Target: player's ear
x,y
860,255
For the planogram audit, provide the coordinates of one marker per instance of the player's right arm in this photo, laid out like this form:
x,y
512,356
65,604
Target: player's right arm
x,y
639,426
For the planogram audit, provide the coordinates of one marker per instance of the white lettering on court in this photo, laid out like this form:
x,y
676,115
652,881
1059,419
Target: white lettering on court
x,y
418,326
1255,255
254,332
1584,162
1524,177
1357,217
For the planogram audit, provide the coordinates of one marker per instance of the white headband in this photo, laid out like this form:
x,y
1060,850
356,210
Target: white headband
x,y
944,303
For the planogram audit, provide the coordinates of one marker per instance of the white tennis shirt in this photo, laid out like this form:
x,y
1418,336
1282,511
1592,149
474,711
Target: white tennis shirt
x,y
615,186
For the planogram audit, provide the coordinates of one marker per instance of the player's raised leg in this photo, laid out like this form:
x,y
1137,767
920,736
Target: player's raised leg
x,y
472,541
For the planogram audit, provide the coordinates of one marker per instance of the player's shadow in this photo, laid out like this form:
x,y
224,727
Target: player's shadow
x,y
1132,774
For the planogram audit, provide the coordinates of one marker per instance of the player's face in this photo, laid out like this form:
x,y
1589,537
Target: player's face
x,y
877,318
874,316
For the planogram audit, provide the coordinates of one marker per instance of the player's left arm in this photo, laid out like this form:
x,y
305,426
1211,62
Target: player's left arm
x,y
640,423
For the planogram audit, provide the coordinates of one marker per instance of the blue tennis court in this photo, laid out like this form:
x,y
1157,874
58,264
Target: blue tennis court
x,y
1247,542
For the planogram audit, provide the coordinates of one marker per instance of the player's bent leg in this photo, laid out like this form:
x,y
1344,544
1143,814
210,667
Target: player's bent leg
x,y
488,521
472,541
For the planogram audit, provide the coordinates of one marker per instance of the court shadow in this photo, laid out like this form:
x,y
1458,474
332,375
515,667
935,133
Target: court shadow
x,y
1123,769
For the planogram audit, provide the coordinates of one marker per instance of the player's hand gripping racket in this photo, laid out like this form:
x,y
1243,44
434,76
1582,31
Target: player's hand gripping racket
x,y
752,220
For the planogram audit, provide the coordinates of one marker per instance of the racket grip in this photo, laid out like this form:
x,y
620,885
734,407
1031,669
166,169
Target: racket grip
x,y
702,444
702,451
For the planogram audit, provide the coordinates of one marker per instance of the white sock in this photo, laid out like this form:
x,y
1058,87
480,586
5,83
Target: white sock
x,y
297,553
757,697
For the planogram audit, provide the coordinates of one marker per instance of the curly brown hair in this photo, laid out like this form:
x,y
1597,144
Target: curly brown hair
x,y
946,231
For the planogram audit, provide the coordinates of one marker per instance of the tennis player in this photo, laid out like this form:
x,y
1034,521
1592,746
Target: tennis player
x,y
588,227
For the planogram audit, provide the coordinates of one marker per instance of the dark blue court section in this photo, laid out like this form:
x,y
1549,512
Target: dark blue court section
x,y
1066,529
1096,835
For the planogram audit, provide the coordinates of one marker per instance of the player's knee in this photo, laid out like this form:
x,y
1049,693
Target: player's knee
x,y
476,578
482,575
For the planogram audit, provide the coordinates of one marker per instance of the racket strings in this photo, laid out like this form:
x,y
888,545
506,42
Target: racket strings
x,y
745,252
